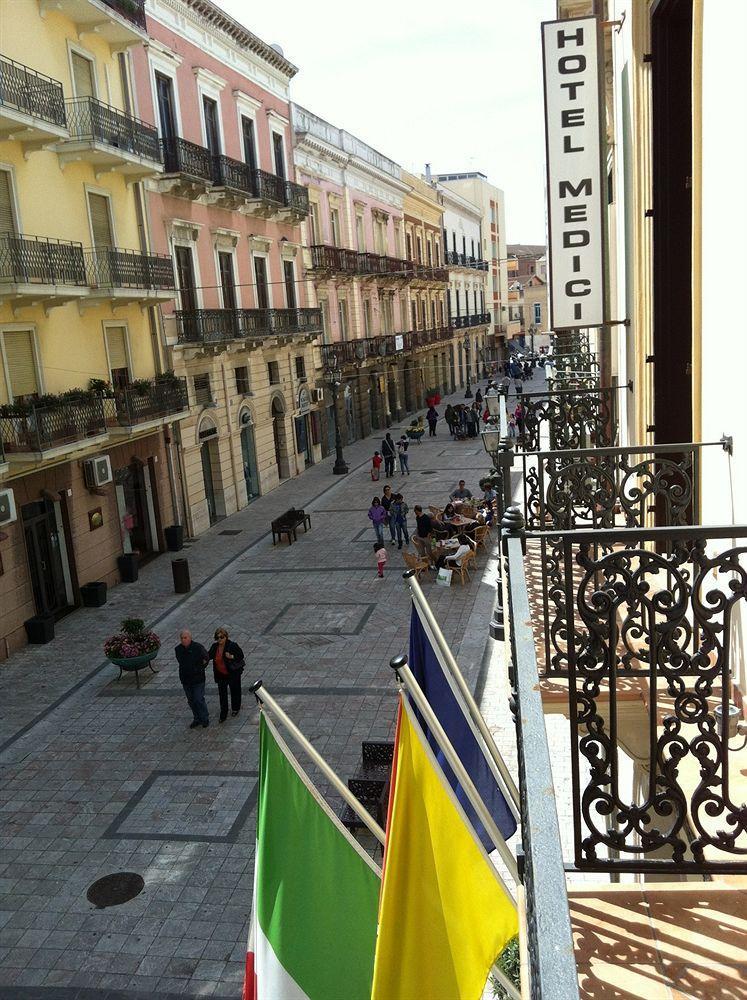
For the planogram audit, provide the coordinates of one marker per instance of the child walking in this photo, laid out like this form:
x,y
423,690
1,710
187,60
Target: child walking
x,y
380,558
376,466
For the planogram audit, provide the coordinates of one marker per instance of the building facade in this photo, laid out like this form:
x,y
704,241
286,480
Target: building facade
x,y
86,409
527,267
228,209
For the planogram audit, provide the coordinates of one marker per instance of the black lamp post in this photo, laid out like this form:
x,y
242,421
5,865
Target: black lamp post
x,y
340,467
468,393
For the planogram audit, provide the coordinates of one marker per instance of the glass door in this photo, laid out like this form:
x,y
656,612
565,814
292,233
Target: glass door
x,y
207,478
249,461
45,557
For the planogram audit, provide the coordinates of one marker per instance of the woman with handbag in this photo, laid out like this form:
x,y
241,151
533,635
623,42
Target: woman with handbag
x,y
228,666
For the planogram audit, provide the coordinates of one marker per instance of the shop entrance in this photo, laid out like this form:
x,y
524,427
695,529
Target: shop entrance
x,y
136,511
47,555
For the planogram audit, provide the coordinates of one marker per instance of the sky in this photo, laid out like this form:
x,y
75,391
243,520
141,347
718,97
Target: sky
x,y
455,84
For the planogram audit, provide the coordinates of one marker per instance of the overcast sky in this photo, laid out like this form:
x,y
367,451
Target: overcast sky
x,y
457,84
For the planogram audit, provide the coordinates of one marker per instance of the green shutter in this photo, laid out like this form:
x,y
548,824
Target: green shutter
x,y
19,357
7,217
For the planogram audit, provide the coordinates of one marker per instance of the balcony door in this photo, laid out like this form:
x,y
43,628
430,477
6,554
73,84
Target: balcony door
x,y
84,80
166,106
185,278
260,278
212,129
47,556
101,222
116,347
227,280
278,154
250,143
290,283
20,364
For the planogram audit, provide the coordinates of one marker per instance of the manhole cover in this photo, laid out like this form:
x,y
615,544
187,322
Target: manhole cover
x,y
113,890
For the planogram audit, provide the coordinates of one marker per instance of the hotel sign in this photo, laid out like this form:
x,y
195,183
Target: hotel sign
x,y
571,52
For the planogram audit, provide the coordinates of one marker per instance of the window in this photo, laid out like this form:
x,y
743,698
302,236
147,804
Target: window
x,y
116,349
441,310
456,293
414,315
7,213
464,245
381,246
315,233
538,314
438,254
360,231
289,277
242,380
301,367
429,249
324,306
185,277
492,213
453,242
433,315
273,372
166,106
494,249
279,155
260,279
212,131
420,250
408,239
250,142
342,313
367,317
101,225
84,80
334,221
20,362
473,248
203,395
423,320
227,281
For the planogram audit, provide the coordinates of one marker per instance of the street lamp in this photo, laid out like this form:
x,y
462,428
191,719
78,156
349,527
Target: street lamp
x,y
468,393
497,443
340,467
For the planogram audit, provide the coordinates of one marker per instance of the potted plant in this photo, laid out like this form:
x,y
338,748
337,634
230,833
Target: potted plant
x,y
416,430
132,647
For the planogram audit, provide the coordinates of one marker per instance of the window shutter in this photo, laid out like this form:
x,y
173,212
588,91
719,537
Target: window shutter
x,y
116,342
82,76
7,220
19,356
100,223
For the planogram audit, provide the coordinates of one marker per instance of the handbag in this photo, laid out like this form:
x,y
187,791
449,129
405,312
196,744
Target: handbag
x,y
443,577
235,666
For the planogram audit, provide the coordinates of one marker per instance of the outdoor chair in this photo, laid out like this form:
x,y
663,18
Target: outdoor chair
x,y
421,564
481,532
462,570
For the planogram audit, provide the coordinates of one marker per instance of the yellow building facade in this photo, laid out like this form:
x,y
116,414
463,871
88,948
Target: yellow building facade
x,y
85,489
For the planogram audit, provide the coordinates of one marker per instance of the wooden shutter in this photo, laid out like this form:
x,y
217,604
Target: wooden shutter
x,y
82,76
19,357
116,342
7,218
100,221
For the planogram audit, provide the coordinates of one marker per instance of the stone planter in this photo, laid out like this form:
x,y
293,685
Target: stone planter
x,y
135,663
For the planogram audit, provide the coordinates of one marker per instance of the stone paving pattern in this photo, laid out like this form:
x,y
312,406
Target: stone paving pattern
x,y
99,777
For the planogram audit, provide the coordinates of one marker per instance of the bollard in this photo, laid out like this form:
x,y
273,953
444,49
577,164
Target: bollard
x,y
180,571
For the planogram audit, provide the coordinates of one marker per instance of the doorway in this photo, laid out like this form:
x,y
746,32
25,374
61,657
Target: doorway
x,y
279,438
136,511
47,555
249,458
207,449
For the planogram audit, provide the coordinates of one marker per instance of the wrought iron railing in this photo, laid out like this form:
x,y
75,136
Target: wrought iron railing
x,y
551,968
91,120
233,174
353,352
473,319
149,400
456,259
269,187
297,198
183,157
40,260
210,326
573,418
110,267
339,260
43,427
131,10
31,93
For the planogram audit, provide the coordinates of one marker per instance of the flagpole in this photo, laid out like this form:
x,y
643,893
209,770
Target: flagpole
x,y
511,792
264,697
399,664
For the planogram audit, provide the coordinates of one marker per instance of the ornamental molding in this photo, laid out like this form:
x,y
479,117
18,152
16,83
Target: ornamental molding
x,y
208,78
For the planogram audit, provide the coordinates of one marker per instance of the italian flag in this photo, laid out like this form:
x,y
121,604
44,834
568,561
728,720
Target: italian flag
x,y
316,891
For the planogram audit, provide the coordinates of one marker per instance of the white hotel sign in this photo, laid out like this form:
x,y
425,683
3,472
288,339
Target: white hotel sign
x,y
575,173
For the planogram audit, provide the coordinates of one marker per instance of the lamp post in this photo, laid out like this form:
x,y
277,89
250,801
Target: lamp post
x,y
340,467
468,393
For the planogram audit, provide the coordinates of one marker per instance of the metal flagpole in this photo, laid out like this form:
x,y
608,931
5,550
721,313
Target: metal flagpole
x,y
399,664
510,791
265,698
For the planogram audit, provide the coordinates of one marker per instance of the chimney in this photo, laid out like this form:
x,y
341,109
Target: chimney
x,y
428,172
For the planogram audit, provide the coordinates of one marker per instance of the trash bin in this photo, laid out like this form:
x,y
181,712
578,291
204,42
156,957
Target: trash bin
x,y
39,629
174,536
128,568
93,595
180,571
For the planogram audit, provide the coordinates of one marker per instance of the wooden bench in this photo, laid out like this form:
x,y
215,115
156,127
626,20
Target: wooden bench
x,y
288,524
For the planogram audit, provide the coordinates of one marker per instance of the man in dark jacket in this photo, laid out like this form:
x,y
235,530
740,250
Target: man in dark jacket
x,y
192,657
388,453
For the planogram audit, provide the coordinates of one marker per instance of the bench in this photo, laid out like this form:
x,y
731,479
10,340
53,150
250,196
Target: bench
x,y
370,784
288,524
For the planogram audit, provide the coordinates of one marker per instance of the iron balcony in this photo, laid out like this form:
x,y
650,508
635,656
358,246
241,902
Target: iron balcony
x,y
455,259
129,275
344,261
119,22
353,352
192,162
110,138
211,326
149,400
37,430
32,107
474,319
39,267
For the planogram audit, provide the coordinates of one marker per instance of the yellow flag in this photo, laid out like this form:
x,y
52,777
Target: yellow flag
x,y
444,916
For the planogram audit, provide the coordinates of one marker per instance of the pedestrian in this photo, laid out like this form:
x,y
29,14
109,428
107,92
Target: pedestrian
x,y
432,418
376,466
478,397
388,451
422,538
386,503
461,492
192,658
399,511
381,558
449,418
473,420
377,514
228,666
404,458
519,418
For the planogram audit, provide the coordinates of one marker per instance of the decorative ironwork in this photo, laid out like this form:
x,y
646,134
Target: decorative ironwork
x,y
183,157
131,10
571,418
297,198
40,260
113,268
31,93
213,326
269,187
338,260
143,401
475,319
91,120
233,174
454,259
44,427
353,352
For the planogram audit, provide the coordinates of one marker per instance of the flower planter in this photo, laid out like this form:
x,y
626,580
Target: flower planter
x,y
128,567
39,629
93,595
174,536
135,663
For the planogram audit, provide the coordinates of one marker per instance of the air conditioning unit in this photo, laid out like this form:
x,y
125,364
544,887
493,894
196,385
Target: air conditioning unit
x,y
317,395
97,471
7,507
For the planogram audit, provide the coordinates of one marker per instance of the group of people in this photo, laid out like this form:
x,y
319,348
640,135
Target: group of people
x,y
463,420
391,450
227,658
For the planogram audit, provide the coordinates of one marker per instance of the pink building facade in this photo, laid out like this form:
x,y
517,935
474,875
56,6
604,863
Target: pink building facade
x,y
229,211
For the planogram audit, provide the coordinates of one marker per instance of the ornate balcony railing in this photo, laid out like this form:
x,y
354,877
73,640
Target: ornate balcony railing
x,y
149,400
92,120
183,157
108,267
211,326
353,352
31,93
234,174
131,10
453,258
269,187
338,260
474,319
44,427
573,418
297,198
40,260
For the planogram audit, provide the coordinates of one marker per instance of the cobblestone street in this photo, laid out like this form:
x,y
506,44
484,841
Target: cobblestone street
x,y
99,777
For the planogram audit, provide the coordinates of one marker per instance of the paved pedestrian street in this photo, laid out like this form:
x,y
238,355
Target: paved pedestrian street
x,y
99,777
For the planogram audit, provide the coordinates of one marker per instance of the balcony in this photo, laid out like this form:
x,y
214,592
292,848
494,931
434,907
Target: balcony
x,y
120,22
188,168
334,260
268,196
38,270
147,403
124,276
233,182
216,326
32,108
110,139
354,352
455,259
39,430
474,319
296,200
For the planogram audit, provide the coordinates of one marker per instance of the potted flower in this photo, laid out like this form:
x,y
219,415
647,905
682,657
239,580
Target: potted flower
x,y
416,430
132,647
